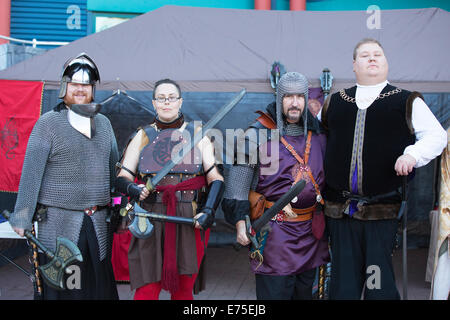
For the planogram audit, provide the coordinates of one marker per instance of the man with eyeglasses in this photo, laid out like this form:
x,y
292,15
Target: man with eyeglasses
x,y
295,246
170,258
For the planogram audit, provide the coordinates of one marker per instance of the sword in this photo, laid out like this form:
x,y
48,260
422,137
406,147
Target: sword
x,y
258,224
402,214
152,182
326,82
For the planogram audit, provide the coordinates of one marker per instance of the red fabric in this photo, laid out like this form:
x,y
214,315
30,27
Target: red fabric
x,y
151,291
318,224
119,258
169,278
20,108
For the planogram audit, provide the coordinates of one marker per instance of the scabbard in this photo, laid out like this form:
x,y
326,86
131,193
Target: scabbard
x,y
403,214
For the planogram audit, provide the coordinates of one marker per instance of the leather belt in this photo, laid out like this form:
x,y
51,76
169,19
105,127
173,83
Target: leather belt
x,y
91,210
302,214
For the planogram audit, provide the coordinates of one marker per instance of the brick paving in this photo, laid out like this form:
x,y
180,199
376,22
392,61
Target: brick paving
x,y
228,277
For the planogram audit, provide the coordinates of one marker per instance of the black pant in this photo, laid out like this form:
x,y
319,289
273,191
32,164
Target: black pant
x,y
361,259
292,287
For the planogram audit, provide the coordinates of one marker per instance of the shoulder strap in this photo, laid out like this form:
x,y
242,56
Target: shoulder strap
x,y
304,162
149,131
266,120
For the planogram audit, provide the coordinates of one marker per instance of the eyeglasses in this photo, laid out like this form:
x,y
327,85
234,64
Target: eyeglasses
x,y
164,99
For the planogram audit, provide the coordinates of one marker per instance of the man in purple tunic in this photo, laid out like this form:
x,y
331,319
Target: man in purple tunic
x,y
295,246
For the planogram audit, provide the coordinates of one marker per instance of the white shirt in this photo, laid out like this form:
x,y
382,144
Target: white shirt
x,y
80,123
431,138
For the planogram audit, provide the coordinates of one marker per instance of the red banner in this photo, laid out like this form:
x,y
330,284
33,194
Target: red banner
x,y
20,107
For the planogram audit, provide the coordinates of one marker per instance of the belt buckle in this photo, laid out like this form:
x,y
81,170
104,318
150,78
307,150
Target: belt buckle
x,y
279,217
90,211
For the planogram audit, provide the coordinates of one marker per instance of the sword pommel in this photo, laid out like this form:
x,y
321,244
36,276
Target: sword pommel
x,y
124,211
6,214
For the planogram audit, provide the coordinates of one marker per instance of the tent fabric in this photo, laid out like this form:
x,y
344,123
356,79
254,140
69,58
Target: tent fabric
x,y
16,123
224,50
126,114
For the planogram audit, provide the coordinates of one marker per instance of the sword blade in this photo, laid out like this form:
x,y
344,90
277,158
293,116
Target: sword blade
x,y
403,214
258,224
278,205
151,183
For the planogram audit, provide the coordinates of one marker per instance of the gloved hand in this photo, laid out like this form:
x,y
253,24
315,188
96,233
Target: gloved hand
x,y
205,218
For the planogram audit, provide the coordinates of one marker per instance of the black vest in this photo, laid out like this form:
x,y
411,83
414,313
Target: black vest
x,y
386,135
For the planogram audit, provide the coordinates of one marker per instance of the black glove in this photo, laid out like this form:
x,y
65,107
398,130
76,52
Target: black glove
x,y
128,188
215,194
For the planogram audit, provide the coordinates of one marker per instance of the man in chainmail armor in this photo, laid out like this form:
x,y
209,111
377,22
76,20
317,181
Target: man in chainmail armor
x,y
68,172
294,245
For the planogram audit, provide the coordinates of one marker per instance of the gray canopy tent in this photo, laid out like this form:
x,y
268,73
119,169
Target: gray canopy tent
x,y
220,50
213,53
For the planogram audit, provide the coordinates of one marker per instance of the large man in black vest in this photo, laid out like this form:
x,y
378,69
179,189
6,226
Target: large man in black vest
x,y
377,133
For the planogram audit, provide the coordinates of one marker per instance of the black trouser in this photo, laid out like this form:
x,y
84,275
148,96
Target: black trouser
x,y
361,258
292,287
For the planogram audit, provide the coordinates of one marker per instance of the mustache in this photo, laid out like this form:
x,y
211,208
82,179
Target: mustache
x,y
294,108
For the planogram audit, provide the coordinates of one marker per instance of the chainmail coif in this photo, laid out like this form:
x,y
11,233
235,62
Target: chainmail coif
x,y
291,83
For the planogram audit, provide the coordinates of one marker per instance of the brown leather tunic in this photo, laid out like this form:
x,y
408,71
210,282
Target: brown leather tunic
x,y
145,256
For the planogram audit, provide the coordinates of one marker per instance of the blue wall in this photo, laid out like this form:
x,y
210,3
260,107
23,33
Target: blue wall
x,y
142,6
51,20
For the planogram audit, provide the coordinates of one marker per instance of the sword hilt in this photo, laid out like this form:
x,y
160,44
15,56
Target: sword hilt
x,y
251,235
124,211
6,214
404,186
237,246
149,185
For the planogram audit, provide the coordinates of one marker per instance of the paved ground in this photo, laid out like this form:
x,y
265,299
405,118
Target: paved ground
x,y
228,277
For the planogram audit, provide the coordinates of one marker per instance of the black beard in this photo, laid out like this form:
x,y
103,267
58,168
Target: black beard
x,y
71,100
293,118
